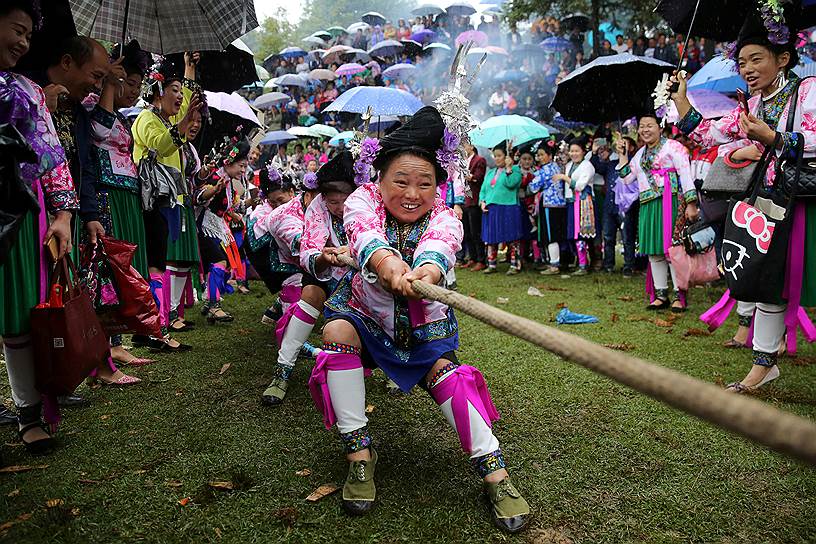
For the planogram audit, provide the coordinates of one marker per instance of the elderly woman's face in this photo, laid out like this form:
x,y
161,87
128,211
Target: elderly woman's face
x,y
408,188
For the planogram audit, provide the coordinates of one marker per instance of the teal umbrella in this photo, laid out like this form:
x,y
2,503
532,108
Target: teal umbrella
x,y
342,137
497,129
323,131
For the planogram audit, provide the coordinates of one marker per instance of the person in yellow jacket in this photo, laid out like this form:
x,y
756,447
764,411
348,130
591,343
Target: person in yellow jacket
x,y
162,127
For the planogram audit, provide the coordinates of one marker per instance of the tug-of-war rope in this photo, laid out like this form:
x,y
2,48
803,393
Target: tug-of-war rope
x,y
751,418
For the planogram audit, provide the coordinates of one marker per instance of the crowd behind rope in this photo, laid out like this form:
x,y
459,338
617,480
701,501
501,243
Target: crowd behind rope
x,y
397,207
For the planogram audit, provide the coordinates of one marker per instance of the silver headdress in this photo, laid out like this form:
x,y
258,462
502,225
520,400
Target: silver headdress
x,y
453,105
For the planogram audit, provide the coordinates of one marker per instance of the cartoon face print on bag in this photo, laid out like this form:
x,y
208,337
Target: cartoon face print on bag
x,y
755,223
733,255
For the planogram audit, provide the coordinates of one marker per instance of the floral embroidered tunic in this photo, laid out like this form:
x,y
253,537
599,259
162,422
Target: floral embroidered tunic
x,y
22,104
549,193
434,239
727,133
650,167
112,151
321,230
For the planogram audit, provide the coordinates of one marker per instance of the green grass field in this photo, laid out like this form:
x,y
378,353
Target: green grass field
x,y
597,461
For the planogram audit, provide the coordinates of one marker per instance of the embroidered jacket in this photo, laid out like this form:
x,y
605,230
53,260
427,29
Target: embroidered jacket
x,y
321,229
433,239
669,159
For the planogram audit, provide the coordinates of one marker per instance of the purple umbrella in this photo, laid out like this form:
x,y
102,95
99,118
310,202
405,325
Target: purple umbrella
x,y
350,69
478,37
423,36
556,44
399,71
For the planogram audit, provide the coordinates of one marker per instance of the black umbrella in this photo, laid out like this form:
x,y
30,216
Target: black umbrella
x,y
58,25
577,21
412,47
610,88
719,20
221,71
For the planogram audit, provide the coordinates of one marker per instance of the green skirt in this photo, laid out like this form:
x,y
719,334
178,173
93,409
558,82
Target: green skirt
x,y
650,225
185,248
808,299
127,223
20,279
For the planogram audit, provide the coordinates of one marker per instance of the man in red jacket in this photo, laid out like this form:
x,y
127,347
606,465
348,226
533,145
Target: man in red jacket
x,y
472,217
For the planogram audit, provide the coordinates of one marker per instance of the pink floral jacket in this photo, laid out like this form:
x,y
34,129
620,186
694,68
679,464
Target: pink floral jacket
x,y
285,224
435,239
321,229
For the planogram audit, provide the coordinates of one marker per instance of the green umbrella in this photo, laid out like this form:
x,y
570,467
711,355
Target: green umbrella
x,y
498,129
336,31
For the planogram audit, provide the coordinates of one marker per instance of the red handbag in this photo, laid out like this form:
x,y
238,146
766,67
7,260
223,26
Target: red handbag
x,y
68,340
137,311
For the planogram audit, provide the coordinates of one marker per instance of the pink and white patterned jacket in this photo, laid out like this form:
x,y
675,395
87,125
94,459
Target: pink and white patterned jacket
x,y
320,231
285,224
672,157
726,131
365,223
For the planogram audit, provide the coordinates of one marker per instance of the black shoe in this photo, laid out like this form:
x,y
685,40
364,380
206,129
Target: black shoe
x,y
68,401
627,273
7,417
140,340
160,345
38,447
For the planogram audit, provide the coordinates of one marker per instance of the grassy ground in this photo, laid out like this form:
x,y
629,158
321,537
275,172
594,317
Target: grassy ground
x,y
598,462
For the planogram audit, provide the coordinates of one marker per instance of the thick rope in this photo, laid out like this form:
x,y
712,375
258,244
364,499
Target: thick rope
x,y
753,419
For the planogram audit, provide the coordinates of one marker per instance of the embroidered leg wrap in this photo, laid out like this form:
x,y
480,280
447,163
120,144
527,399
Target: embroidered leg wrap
x,y
356,440
486,464
462,394
292,330
337,386
765,359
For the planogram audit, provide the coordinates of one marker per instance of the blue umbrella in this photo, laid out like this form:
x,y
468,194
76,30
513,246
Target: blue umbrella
x,y
266,101
497,129
556,44
382,123
277,137
719,74
290,80
808,69
342,137
292,52
383,101
511,75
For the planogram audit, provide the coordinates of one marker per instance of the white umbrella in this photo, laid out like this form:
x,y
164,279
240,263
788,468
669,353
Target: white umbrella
x,y
437,45
232,103
313,40
266,101
323,131
373,18
354,27
322,74
427,9
300,132
263,74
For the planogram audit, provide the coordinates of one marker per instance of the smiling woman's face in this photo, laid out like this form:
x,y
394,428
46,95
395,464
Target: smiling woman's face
x,y
408,188
759,66
15,37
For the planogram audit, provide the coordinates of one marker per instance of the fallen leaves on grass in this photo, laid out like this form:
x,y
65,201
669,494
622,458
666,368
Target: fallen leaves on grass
x,y
305,472
626,298
224,368
9,524
105,417
662,322
550,535
534,292
173,483
287,516
620,347
615,318
53,503
323,491
14,469
560,305
185,501
369,408
222,485
13,493
502,300
802,360
696,332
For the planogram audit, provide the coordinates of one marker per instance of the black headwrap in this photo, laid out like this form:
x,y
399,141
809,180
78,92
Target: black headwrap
x,y
421,135
755,32
136,61
337,175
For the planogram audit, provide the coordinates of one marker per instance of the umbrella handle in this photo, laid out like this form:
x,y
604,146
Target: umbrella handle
x,y
675,86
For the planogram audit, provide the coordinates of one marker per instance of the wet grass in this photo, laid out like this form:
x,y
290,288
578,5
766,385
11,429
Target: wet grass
x,y
598,462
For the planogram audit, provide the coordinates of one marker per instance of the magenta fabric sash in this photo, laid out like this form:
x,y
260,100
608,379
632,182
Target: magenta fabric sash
x,y
576,216
318,384
442,190
715,316
416,312
42,221
466,385
495,177
795,315
293,310
290,294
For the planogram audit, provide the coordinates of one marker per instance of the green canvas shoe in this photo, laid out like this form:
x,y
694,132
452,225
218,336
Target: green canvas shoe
x,y
510,511
359,491
275,393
